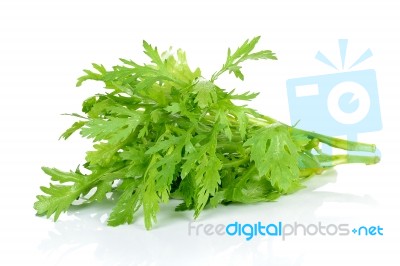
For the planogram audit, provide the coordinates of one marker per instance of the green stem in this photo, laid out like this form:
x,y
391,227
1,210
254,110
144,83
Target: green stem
x,y
329,161
227,147
331,141
236,162
338,143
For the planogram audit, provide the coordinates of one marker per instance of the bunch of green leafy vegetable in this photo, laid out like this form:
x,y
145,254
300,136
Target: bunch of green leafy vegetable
x,y
163,131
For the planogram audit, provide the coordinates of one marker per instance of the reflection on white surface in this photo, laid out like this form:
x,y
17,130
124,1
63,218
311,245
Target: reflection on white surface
x,y
168,243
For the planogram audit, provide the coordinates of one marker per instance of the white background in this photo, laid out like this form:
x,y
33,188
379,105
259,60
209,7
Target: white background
x,y
44,45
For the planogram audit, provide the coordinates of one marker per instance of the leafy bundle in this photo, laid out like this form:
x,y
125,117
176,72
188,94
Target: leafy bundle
x,y
163,131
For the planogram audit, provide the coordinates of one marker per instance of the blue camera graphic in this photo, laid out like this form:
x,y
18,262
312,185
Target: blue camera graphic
x,y
342,103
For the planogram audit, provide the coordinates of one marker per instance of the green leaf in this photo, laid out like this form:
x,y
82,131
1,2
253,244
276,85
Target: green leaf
x,y
62,177
173,108
102,188
150,204
208,180
222,119
128,203
242,53
60,197
153,54
275,155
206,94
90,75
247,96
163,145
76,126
103,155
114,129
